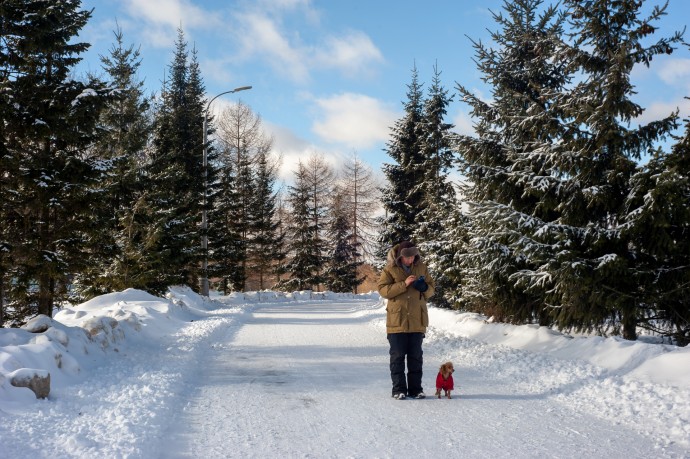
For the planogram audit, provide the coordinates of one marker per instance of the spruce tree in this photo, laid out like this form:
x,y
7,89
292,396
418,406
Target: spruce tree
x,y
443,253
226,248
195,106
402,196
305,257
437,214
8,226
550,215
319,180
593,262
241,223
509,176
657,224
9,160
283,218
242,140
341,274
49,122
175,174
116,244
265,243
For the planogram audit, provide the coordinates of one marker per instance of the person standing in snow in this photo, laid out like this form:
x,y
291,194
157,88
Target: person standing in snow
x,y
406,284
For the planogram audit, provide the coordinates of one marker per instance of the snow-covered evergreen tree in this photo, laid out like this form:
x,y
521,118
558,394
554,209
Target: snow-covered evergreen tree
x,y
439,210
559,164
507,165
8,183
224,242
116,245
265,243
175,176
341,274
593,263
320,179
283,219
49,123
242,140
402,196
657,224
9,161
305,244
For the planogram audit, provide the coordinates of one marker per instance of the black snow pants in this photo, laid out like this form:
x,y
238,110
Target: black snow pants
x,y
406,345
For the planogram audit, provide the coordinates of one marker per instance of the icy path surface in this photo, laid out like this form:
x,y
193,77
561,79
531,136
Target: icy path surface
x,y
311,380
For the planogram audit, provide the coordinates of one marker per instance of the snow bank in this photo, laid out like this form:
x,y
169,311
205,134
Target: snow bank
x,y
656,363
85,336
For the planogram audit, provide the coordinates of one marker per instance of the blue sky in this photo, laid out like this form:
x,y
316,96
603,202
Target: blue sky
x,y
329,77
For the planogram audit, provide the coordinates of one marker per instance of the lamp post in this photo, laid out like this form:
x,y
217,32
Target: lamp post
x,y
204,218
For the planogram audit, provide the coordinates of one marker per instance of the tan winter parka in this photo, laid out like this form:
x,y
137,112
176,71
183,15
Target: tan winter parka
x,y
406,309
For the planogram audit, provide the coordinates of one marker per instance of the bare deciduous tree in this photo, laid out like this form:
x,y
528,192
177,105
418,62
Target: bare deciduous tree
x,y
361,195
240,134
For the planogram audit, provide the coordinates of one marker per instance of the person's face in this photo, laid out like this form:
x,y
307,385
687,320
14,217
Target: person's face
x,y
407,261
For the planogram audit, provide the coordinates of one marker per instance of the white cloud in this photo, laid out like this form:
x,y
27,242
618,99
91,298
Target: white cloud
x,y
162,18
272,5
674,71
283,34
102,31
217,70
463,123
170,13
290,148
260,35
354,120
286,141
292,159
659,110
281,8
353,53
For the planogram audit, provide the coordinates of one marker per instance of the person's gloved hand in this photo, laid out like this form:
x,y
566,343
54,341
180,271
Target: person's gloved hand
x,y
420,284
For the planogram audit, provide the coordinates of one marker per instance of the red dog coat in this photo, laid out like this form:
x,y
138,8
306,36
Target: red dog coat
x,y
445,384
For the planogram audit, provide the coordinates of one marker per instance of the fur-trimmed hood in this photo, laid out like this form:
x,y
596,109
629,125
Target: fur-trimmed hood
x,y
394,255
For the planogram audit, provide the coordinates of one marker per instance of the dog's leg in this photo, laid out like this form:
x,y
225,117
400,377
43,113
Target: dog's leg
x,y
438,393
448,394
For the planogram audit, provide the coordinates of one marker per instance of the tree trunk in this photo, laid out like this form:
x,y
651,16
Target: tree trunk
x,y
629,322
2,299
45,295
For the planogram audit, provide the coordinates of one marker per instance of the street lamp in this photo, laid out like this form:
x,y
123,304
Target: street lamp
x,y
204,221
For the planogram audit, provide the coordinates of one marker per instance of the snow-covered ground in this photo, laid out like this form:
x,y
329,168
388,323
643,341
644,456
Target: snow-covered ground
x,y
306,375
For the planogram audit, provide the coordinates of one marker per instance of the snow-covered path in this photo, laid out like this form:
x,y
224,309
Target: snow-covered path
x,y
310,379
301,375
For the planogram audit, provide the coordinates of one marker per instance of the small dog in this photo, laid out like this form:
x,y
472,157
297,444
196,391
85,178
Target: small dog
x,y
444,380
